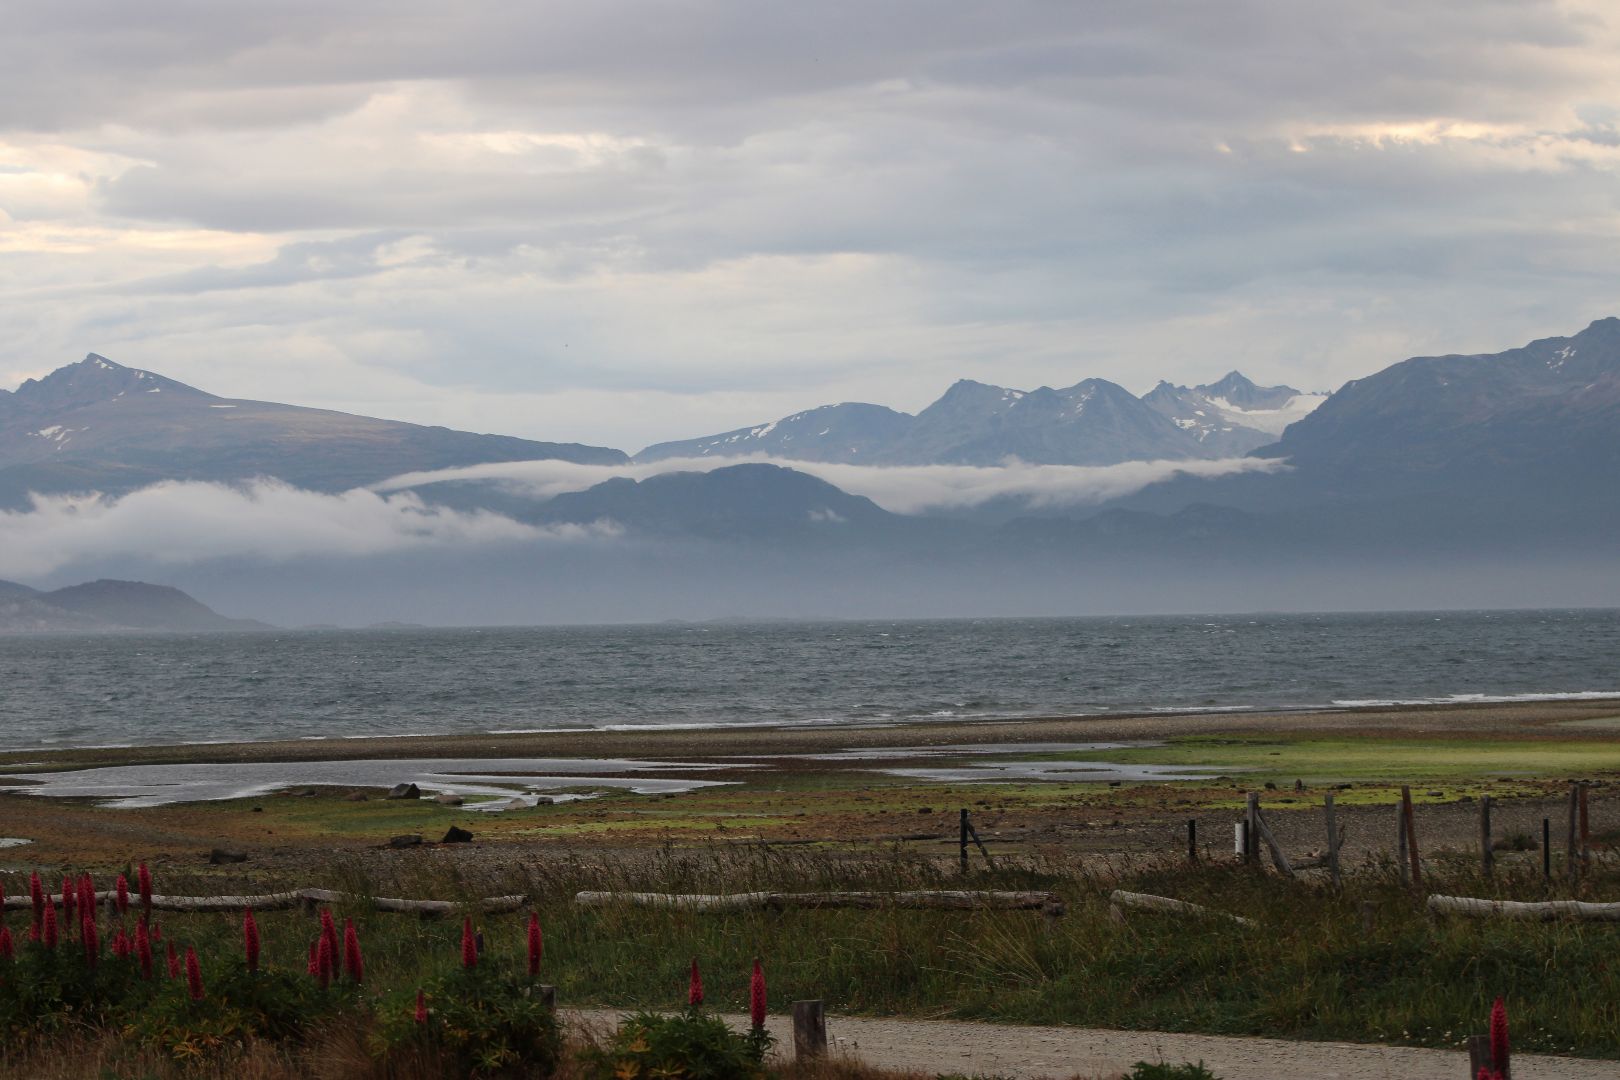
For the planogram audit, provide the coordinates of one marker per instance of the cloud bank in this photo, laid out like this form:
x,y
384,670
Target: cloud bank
x,y
619,223
901,489
182,522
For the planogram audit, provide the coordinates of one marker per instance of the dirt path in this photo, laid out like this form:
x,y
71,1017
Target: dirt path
x,y
1001,1050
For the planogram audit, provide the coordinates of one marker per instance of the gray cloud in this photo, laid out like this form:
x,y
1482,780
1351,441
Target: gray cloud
x,y
619,222
902,489
179,523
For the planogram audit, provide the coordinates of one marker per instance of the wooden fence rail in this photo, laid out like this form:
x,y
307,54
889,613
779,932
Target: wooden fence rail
x,y
1540,911
282,901
957,899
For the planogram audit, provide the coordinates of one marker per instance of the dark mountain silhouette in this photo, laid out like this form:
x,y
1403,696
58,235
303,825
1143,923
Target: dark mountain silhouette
x,y
737,503
109,605
100,426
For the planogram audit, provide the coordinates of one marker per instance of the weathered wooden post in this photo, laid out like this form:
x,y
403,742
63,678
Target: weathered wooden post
x,y
1479,1056
963,841
548,997
1487,855
809,1030
1333,842
1586,836
1571,854
1411,837
1400,843
1278,859
1251,835
1546,850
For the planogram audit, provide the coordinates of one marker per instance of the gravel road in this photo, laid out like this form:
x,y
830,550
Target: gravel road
x,y
1000,1050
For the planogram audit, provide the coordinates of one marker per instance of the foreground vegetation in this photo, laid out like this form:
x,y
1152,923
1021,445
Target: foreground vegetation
x,y
1320,964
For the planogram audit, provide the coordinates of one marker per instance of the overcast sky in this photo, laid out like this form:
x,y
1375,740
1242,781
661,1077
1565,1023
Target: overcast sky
x,y
624,222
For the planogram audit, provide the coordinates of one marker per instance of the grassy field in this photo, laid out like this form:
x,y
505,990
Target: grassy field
x,y
1312,969
1467,761
1309,970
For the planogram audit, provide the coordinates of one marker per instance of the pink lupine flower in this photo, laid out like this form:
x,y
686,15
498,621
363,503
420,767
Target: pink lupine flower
x,y
469,946
87,896
354,964
194,983
325,961
536,944
36,892
694,985
143,949
250,939
1499,1036
756,996
121,894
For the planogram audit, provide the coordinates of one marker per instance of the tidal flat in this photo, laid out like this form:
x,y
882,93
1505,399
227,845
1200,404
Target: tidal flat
x,y
1123,786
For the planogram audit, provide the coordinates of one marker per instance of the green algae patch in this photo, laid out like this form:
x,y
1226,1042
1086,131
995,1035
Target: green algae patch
x,y
1318,761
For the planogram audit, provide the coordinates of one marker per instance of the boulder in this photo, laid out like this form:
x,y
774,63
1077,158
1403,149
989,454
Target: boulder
x,y
221,856
405,791
408,840
457,835
448,798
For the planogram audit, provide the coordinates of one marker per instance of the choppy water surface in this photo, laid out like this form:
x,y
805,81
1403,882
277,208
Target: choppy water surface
x,y
174,688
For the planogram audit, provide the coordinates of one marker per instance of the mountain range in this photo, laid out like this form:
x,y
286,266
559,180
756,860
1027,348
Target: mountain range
x,y
1094,422
101,606
99,426
1435,461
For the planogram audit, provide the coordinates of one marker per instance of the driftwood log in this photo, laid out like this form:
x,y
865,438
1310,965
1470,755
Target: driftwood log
x,y
282,901
768,901
1119,899
1540,911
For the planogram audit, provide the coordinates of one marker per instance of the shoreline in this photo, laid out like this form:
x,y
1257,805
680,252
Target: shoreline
x,y
1433,720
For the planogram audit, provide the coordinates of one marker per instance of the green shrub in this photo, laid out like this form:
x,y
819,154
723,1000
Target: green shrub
x,y
1163,1071
238,1006
477,1024
690,1045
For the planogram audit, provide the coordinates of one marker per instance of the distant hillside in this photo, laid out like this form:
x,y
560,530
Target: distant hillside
x,y
108,605
10,590
1094,422
1515,424
100,426
739,502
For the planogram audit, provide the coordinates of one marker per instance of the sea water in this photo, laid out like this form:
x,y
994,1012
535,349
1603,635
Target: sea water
x,y
101,690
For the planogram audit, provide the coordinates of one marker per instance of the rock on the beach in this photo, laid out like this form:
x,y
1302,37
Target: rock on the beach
x,y
221,856
405,791
448,798
457,835
406,841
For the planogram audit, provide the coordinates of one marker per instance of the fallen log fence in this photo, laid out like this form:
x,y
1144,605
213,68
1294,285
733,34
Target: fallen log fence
x,y
1119,899
950,899
308,898
1534,911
